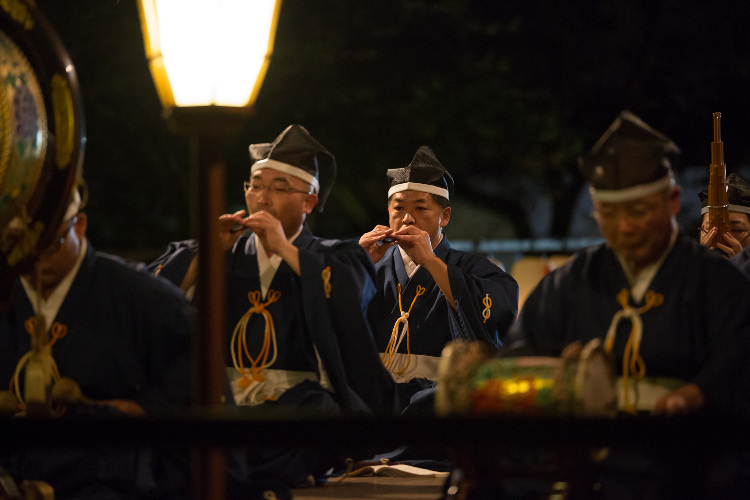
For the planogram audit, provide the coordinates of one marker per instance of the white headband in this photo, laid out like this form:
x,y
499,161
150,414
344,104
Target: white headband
x,y
632,193
417,186
287,169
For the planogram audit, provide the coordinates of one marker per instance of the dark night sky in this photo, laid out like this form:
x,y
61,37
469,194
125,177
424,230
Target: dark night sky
x,y
508,94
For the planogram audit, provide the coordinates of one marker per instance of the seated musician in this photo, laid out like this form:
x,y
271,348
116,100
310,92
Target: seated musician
x,y
297,338
671,312
738,208
668,308
117,345
428,293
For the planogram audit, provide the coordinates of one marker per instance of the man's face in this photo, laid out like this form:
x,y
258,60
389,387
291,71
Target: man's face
x,y
58,259
407,208
639,230
739,226
282,195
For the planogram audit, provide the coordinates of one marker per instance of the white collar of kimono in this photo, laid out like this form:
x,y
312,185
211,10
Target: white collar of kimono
x,y
267,266
50,307
639,283
411,266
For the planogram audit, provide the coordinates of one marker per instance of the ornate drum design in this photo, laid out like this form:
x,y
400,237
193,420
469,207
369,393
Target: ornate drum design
x,y
23,129
41,136
469,383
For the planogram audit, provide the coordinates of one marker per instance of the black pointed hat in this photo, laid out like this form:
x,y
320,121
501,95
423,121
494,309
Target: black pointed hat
x,y
738,195
631,160
296,152
424,173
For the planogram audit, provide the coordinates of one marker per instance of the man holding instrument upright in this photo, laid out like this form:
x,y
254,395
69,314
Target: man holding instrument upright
x,y
738,207
725,204
671,312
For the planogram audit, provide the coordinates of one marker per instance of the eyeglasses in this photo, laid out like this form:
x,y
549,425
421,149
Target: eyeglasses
x,y
57,244
275,189
738,231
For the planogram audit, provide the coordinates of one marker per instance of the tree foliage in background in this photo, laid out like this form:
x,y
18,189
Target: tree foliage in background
x,y
508,94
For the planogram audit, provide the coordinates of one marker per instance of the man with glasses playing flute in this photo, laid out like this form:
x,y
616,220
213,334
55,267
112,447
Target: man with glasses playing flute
x,y
297,334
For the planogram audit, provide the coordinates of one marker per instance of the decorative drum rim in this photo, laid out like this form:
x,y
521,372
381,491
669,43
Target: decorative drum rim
x,y
42,136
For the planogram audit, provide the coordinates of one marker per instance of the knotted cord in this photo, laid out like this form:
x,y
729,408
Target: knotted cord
x,y
326,275
43,353
395,341
487,301
632,362
260,362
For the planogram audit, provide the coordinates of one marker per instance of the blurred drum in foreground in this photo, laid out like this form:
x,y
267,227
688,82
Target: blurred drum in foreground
x,y
41,136
472,382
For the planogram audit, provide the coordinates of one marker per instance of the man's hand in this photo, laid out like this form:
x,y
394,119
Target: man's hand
x,y
269,230
731,248
418,246
416,243
227,228
128,407
266,226
686,399
371,242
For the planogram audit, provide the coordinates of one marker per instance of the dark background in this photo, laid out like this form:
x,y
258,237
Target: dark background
x,y
508,94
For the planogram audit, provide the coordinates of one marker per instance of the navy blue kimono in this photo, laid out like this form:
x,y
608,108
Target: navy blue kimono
x,y
486,299
315,313
127,338
742,260
319,321
699,334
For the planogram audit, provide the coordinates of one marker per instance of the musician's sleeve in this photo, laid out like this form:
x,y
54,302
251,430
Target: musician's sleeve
x,y
486,299
338,285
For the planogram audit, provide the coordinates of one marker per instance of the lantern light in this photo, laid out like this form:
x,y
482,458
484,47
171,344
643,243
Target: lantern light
x,y
208,52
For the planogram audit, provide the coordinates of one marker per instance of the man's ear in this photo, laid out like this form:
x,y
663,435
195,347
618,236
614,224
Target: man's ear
x,y
82,223
675,195
445,216
310,201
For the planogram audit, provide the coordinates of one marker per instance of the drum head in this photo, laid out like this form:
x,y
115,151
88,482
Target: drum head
x,y
41,136
596,383
459,362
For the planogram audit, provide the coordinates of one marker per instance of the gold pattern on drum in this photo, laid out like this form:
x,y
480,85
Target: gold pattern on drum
x,y
18,12
632,362
396,338
23,130
29,238
62,104
253,373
